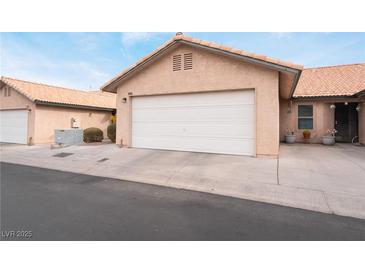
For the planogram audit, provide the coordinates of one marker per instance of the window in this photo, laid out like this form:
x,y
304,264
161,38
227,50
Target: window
x,y
305,117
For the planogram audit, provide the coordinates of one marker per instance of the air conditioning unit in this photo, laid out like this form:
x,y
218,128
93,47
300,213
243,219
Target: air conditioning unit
x,y
71,136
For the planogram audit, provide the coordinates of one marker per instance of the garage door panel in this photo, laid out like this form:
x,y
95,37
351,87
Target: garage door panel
x,y
220,113
232,146
13,126
197,99
216,122
194,130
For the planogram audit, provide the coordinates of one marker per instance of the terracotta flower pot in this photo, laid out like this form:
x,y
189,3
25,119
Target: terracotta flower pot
x,y
306,134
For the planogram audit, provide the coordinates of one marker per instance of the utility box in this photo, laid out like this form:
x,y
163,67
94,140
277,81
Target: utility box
x,y
71,136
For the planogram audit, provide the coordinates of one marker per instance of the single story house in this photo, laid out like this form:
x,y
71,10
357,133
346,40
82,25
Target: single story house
x,y
327,98
193,95
30,112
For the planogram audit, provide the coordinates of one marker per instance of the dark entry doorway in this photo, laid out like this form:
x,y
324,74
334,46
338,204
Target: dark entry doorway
x,y
346,122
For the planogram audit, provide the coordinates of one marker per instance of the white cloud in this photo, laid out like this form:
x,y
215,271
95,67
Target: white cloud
x,y
281,35
20,61
131,38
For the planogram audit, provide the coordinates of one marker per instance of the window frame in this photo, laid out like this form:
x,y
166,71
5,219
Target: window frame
x,y
305,117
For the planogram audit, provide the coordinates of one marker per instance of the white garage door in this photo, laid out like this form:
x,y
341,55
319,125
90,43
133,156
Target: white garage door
x,y
215,122
13,126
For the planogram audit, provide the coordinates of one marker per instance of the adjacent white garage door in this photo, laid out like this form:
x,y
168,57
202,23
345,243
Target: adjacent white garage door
x,y
215,122
13,126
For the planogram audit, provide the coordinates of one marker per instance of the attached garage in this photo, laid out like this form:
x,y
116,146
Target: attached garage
x,y
193,95
215,122
14,126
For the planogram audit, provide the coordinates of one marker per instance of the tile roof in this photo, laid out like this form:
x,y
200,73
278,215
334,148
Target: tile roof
x,y
342,80
44,93
192,41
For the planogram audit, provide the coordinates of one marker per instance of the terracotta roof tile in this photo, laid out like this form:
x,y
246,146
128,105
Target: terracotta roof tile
x,y
343,80
207,44
53,94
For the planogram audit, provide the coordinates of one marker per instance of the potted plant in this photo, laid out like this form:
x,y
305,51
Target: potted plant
x,y
290,137
329,138
306,135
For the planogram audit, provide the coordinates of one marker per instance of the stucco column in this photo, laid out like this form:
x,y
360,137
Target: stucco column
x,y
362,123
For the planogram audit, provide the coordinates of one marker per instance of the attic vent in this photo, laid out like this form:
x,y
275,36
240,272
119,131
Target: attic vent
x,y
176,62
188,61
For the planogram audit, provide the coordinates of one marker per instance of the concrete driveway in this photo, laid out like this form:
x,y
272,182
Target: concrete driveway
x,y
338,172
314,177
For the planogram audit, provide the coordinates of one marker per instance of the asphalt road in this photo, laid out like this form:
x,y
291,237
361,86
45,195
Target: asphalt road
x,y
41,204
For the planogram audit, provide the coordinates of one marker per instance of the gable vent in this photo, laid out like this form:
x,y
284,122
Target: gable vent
x,y
188,61
176,62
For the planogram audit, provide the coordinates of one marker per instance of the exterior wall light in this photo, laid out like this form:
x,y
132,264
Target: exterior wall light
x,y
346,103
332,106
124,100
358,108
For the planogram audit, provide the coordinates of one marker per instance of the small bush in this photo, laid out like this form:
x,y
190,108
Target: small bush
x,y
112,132
93,134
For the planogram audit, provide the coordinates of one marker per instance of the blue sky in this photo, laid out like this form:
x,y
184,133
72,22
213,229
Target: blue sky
x,y
87,60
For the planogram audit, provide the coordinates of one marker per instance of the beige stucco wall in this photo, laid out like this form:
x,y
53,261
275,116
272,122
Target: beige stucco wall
x,y
362,123
323,119
211,72
49,118
43,120
19,101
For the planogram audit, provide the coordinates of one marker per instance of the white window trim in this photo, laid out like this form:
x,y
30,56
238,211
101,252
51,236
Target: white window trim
x,y
306,117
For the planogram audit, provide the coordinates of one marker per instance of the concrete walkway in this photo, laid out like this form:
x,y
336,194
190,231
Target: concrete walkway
x,y
299,180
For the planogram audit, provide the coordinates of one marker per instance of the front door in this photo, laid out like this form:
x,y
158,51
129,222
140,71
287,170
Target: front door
x,y
346,122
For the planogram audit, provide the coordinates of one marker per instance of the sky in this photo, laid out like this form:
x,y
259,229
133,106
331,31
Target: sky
x,y
87,60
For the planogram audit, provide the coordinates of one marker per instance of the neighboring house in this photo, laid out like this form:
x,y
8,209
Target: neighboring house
x,y
327,98
194,95
30,112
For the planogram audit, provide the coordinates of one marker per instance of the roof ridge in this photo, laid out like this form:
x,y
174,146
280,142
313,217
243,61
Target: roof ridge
x,y
333,66
48,85
233,48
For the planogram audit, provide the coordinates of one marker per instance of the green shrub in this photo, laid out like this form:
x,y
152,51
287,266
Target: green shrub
x,y
112,132
93,134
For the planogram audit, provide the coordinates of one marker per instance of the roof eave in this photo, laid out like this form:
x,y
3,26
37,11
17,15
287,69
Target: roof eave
x,y
55,104
329,97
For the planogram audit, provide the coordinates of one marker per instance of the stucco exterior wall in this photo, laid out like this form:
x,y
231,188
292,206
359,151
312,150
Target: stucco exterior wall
x,y
323,119
211,72
49,118
19,101
362,123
